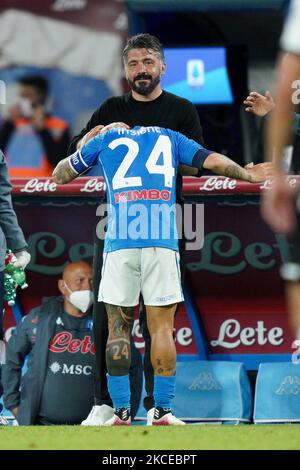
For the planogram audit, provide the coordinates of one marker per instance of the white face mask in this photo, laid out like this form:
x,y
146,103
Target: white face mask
x,y
26,107
81,299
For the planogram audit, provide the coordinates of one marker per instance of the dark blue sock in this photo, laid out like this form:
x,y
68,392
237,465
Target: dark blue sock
x,y
164,391
119,390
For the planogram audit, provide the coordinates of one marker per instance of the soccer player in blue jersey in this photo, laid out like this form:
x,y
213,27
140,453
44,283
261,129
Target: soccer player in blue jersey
x,y
139,166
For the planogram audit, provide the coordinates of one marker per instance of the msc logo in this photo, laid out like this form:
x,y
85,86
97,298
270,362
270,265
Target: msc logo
x,y
205,381
55,367
73,369
289,386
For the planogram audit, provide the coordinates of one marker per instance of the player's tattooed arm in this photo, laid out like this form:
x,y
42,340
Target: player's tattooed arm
x,y
63,172
222,165
237,172
118,352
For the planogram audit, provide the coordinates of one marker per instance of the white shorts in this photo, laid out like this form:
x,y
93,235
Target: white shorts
x,y
153,272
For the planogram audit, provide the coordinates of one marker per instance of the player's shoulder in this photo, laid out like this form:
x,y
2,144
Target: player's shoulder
x,y
167,131
111,134
94,145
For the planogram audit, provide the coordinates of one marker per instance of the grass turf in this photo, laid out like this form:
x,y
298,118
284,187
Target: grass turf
x,y
142,437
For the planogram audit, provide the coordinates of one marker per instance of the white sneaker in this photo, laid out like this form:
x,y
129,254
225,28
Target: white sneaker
x,y
120,418
3,421
98,416
150,416
167,419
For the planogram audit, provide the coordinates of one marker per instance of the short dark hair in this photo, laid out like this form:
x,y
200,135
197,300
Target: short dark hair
x,y
37,82
144,41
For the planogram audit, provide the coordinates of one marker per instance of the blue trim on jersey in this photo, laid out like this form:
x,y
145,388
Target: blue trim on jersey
x,y
107,241
87,157
115,245
200,157
77,163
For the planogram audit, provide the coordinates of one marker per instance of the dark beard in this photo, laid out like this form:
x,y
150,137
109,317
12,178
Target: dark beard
x,y
144,90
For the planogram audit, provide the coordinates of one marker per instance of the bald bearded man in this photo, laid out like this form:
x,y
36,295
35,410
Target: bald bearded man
x,y
58,386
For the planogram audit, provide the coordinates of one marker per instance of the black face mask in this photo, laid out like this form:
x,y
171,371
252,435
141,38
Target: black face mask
x,y
146,88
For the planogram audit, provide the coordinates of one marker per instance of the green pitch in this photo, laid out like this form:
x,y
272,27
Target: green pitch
x,y
147,438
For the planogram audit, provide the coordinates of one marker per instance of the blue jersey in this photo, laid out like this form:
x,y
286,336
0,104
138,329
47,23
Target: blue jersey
x,y
140,166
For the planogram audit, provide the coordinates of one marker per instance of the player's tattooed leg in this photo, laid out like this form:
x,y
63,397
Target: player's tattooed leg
x,y
160,322
118,351
166,366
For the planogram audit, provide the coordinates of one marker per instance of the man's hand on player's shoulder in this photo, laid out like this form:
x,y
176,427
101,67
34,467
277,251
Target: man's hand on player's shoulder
x,y
90,135
100,129
114,125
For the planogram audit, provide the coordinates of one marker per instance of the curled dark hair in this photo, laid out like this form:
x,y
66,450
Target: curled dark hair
x,y
144,41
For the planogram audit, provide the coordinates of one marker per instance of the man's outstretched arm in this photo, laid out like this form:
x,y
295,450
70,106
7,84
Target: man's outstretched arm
x,y
224,166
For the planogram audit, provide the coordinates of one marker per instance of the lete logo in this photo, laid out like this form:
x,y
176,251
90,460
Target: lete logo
x,y
64,342
35,185
93,185
231,335
214,183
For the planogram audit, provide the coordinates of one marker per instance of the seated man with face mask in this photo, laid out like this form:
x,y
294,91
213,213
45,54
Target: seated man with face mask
x,y
58,385
31,138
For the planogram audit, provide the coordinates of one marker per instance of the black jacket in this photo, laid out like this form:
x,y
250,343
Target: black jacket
x,y
32,336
